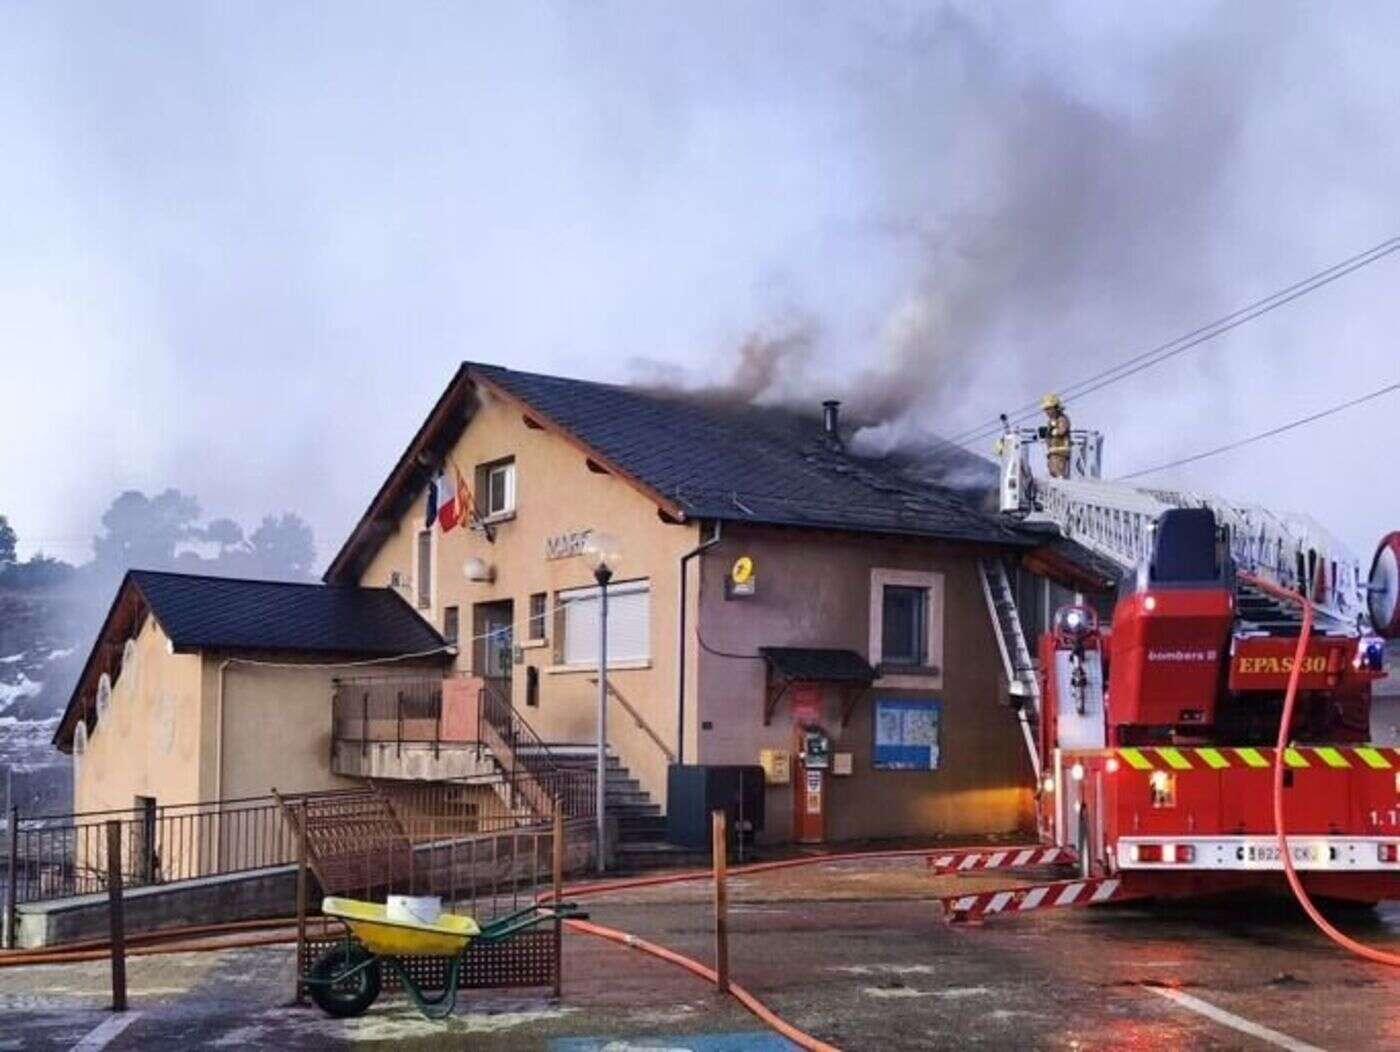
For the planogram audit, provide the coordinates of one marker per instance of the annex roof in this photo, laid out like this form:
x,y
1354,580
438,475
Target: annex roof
x,y
225,613
234,615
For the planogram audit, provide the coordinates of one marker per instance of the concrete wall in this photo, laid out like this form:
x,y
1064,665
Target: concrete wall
x,y
148,744
556,493
815,591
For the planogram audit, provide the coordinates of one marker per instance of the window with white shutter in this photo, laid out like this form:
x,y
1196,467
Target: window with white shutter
x,y
629,623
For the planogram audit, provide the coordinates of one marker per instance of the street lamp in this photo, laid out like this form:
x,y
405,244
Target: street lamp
x,y
603,553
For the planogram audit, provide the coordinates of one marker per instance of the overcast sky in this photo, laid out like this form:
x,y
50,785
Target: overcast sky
x,y
243,246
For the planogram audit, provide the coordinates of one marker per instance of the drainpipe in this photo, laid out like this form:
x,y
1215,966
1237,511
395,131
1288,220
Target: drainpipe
x,y
699,549
219,763
219,719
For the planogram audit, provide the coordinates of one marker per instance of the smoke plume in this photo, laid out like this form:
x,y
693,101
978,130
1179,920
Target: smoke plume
x,y
1037,225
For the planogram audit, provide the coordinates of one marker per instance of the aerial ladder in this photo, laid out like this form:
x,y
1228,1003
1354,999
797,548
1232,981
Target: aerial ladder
x,y
1152,736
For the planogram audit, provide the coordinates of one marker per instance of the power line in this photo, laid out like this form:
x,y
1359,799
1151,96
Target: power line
x,y
1263,434
1163,352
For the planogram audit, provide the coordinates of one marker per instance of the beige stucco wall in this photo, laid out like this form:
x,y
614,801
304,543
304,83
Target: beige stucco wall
x,y
276,730
148,742
815,591
557,493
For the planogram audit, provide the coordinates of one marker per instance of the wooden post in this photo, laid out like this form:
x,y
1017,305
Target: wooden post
x,y
116,914
721,865
558,898
299,995
12,884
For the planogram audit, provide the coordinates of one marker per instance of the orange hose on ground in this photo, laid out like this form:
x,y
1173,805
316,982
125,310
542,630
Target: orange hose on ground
x,y
160,934
141,943
1290,696
748,1000
627,883
154,950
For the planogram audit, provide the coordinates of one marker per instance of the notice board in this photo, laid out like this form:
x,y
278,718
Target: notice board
x,y
907,734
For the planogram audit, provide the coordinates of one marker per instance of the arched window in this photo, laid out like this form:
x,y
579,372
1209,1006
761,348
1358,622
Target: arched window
x,y
80,739
104,696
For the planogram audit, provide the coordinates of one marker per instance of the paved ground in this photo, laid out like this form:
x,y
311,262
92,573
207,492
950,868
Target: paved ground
x,y
850,952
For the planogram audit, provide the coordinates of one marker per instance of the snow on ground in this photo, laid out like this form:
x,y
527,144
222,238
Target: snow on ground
x,y
12,692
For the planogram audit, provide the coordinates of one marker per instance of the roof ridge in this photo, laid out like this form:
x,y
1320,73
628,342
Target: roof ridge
x,y
254,580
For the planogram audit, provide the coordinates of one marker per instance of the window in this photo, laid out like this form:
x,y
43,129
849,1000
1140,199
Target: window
x,y
425,569
904,626
629,624
495,484
539,604
450,624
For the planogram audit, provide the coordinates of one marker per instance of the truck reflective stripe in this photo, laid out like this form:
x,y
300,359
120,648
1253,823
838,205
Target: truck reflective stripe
x,y
1374,758
1252,758
1331,756
1294,758
1213,758
1136,759
1174,759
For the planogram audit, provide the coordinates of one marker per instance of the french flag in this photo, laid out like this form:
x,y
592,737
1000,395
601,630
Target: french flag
x,y
451,494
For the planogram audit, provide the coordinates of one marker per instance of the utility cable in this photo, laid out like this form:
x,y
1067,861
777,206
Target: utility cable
x,y
1263,434
1162,352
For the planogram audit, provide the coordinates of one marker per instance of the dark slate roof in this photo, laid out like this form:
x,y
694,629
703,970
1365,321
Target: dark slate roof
x,y
224,613
818,665
741,462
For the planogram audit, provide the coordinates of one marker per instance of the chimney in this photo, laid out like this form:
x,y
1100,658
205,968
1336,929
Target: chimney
x,y
829,419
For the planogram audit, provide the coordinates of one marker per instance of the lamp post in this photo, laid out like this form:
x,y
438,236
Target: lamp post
x,y
603,553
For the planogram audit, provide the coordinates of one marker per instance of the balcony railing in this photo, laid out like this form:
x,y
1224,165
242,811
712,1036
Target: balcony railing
x,y
446,712
405,710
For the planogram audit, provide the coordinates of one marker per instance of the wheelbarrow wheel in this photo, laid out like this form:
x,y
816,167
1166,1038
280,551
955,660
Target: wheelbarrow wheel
x,y
351,996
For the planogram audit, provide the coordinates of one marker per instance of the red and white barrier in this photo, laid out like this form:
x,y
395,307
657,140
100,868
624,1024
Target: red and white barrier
x,y
1034,897
1000,858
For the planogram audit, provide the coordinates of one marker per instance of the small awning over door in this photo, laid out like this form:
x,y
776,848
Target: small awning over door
x,y
789,665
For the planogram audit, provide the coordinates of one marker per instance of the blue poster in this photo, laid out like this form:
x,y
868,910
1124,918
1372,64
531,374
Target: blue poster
x,y
906,734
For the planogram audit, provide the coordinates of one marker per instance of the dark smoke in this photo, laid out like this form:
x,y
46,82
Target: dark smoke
x,y
1044,234
769,363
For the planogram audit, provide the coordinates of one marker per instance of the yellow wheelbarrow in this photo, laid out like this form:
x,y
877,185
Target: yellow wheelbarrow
x,y
345,980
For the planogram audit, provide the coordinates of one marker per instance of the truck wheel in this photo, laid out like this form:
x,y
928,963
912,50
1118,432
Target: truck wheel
x,y
352,996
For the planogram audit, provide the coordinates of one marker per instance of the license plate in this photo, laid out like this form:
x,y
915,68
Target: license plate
x,y
1270,853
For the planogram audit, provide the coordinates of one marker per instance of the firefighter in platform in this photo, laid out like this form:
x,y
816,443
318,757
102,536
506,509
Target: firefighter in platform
x,y
1056,434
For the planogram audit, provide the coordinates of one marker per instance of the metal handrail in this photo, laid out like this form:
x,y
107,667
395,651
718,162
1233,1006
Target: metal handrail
x,y
536,763
638,718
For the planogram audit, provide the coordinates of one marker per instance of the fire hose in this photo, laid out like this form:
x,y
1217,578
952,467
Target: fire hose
x,y
1290,696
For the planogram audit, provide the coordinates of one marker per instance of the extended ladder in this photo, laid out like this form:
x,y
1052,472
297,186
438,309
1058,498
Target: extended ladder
x,y
1021,677
1117,522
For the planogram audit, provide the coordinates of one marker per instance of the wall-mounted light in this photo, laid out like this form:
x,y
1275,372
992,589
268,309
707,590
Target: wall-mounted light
x,y
478,570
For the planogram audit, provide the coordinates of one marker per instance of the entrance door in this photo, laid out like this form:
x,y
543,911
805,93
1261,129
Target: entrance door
x,y
493,641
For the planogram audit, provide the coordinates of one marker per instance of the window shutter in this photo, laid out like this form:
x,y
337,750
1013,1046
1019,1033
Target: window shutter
x,y
425,569
581,631
629,624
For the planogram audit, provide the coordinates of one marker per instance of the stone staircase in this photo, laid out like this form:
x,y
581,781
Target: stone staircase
x,y
640,821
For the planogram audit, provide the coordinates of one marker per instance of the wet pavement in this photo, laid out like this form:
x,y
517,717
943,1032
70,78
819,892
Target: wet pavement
x,y
854,953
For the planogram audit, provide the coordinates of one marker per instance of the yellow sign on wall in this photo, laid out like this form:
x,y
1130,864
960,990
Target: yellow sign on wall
x,y
741,577
777,766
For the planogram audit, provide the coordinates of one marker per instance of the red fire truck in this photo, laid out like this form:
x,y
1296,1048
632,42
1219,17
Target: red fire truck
x,y
1153,736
